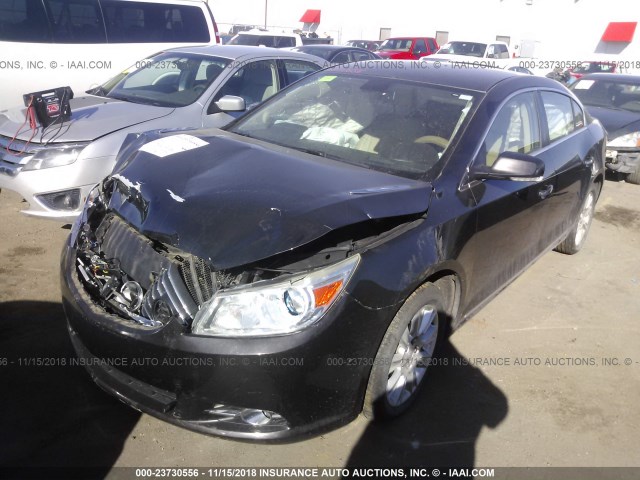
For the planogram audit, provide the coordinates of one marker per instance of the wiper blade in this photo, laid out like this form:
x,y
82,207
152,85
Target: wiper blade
x,y
318,153
311,151
242,134
98,91
119,97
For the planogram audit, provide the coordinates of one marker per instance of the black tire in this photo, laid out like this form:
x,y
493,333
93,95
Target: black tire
x,y
427,302
634,177
578,234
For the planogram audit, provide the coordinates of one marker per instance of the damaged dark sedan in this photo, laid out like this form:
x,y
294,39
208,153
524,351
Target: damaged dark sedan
x,y
304,264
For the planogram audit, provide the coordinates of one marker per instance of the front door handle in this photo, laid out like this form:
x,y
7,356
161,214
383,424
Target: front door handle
x,y
545,192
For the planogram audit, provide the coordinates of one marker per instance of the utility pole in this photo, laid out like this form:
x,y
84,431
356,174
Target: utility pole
x,y
265,13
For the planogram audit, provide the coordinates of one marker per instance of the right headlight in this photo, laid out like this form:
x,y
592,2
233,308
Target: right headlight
x,y
50,157
274,307
630,140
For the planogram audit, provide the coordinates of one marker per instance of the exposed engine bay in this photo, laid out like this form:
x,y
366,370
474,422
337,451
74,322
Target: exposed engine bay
x,y
152,283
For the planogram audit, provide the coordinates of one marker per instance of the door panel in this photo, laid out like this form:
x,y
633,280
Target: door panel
x,y
567,155
511,215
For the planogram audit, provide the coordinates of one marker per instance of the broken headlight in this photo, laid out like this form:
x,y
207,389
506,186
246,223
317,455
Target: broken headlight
x,y
274,307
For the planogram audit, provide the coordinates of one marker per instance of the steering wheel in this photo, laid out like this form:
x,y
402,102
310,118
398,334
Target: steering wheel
x,y
433,139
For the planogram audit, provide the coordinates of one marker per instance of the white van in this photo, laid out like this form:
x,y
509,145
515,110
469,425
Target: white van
x,y
259,37
46,44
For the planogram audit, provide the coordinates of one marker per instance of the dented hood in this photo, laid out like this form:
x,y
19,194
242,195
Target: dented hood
x,y
234,200
92,117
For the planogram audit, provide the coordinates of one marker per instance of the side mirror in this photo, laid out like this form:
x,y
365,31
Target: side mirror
x,y
511,166
231,103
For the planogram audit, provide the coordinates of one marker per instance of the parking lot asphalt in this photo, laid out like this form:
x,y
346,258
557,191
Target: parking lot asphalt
x,y
547,374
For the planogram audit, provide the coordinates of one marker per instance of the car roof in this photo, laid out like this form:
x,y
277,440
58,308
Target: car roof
x,y
426,71
409,37
234,52
612,77
258,32
487,42
302,48
182,2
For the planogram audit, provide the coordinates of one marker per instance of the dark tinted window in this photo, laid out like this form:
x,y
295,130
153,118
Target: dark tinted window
x,y
297,69
401,44
420,47
432,45
23,21
76,21
266,40
559,114
501,51
342,57
138,22
282,42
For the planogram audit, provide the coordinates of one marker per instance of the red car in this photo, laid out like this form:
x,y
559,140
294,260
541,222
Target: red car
x,y
594,67
408,48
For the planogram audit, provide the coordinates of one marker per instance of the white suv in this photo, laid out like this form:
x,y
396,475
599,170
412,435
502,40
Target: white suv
x,y
81,43
492,53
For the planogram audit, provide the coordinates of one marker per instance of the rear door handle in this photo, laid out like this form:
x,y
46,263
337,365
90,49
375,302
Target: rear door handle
x,y
545,192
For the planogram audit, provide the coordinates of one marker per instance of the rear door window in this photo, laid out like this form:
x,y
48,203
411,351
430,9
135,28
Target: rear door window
x,y
578,115
559,114
23,21
358,56
342,57
139,22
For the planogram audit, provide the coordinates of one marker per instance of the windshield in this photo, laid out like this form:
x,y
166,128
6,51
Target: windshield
x,y
397,44
601,93
469,49
252,40
275,41
318,52
385,124
595,67
168,79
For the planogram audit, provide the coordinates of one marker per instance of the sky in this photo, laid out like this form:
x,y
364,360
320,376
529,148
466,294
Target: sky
x,y
561,27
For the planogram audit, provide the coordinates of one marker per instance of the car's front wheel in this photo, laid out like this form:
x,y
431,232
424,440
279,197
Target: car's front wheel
x,y
578,234
406,351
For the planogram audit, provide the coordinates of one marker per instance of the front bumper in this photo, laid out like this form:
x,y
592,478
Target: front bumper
x,y
623,161
35,185
305,382
56,193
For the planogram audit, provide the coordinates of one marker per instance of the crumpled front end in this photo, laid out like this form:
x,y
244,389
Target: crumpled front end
x,y
131,303
623,160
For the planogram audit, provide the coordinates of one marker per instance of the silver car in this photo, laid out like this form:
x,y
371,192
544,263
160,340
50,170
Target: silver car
x,y
54,168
